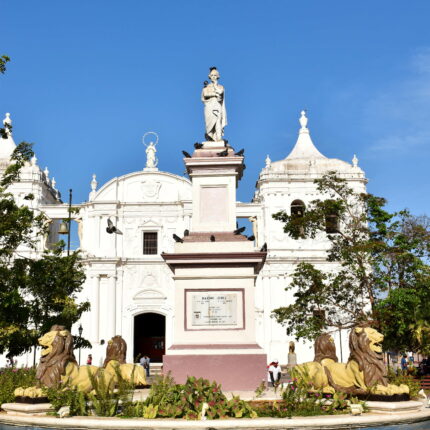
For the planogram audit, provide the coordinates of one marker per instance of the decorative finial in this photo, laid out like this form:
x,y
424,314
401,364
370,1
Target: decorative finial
x,y
151,159
303,119
33,160
7,123
94,183
93,188
53,182
355,161
268,161
46,172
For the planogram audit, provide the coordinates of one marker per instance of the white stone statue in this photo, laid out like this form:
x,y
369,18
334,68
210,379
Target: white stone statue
x,y
254,220
151,159
80,230
215,113
292,356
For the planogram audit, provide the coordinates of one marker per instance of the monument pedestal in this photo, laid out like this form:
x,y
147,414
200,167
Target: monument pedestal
x,y
235,367
215,268
214,335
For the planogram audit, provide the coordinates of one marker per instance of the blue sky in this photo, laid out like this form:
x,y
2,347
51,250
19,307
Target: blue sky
x,y
88,78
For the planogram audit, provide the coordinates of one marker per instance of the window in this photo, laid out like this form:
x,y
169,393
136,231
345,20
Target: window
x,y
332,217
297,212
150,243
297,208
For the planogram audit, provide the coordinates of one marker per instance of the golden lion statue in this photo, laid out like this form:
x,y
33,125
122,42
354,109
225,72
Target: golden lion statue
x,y
58,366
116,352
364,372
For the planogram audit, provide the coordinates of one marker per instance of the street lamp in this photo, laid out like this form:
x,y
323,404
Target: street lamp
x,y
80,330
65,228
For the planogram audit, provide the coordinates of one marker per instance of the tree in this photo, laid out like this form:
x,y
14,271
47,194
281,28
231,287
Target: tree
x,y
403,272
33,293
3,60
381,272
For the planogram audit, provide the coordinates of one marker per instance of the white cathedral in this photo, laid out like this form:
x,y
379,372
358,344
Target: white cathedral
x,y
128,283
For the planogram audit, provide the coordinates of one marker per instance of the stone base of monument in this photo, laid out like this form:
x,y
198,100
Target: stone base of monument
x,y
214,144
242,369
392,408
27,408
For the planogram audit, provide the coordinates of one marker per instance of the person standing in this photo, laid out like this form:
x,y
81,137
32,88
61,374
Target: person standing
x,y
404,364
145,363
89,360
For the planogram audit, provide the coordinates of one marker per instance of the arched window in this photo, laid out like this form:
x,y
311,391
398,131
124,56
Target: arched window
x,y
331,218
297,208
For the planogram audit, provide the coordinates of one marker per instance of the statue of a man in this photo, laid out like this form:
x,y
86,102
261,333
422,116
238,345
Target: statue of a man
x,y
151,159
215,113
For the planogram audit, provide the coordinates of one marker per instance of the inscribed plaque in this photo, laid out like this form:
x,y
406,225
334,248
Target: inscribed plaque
x,y
214,309
217,309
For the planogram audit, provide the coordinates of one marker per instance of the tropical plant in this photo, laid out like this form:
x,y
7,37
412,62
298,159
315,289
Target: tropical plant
x,y
169,400
66,396
110,395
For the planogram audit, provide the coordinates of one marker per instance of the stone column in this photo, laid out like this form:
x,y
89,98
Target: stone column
x,y
95,308
111,321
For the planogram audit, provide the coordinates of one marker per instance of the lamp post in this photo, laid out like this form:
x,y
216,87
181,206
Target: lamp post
x,y
65,228
80,330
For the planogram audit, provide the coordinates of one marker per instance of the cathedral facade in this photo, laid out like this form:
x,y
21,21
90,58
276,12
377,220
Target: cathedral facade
x,y
128,283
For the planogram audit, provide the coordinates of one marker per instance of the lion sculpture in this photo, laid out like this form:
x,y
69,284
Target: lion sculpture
x,y
363,373
58,365
116,352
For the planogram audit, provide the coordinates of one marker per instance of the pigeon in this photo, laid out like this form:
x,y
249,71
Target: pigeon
x,y
239,230
264,248
177,238
244,166
212,238
198,145
251,237
239,153
186,155
111,228
205,83
186,232
222,153
225,142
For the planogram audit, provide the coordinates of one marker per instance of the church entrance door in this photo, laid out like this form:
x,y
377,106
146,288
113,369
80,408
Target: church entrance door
x,y
150,336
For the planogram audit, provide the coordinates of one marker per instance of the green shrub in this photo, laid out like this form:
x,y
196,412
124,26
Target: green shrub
x,y
400,378
169,400
107,399
110,396
11,378
76,400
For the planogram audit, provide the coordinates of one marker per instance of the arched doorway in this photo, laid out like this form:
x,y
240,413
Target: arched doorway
x,y
150,336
